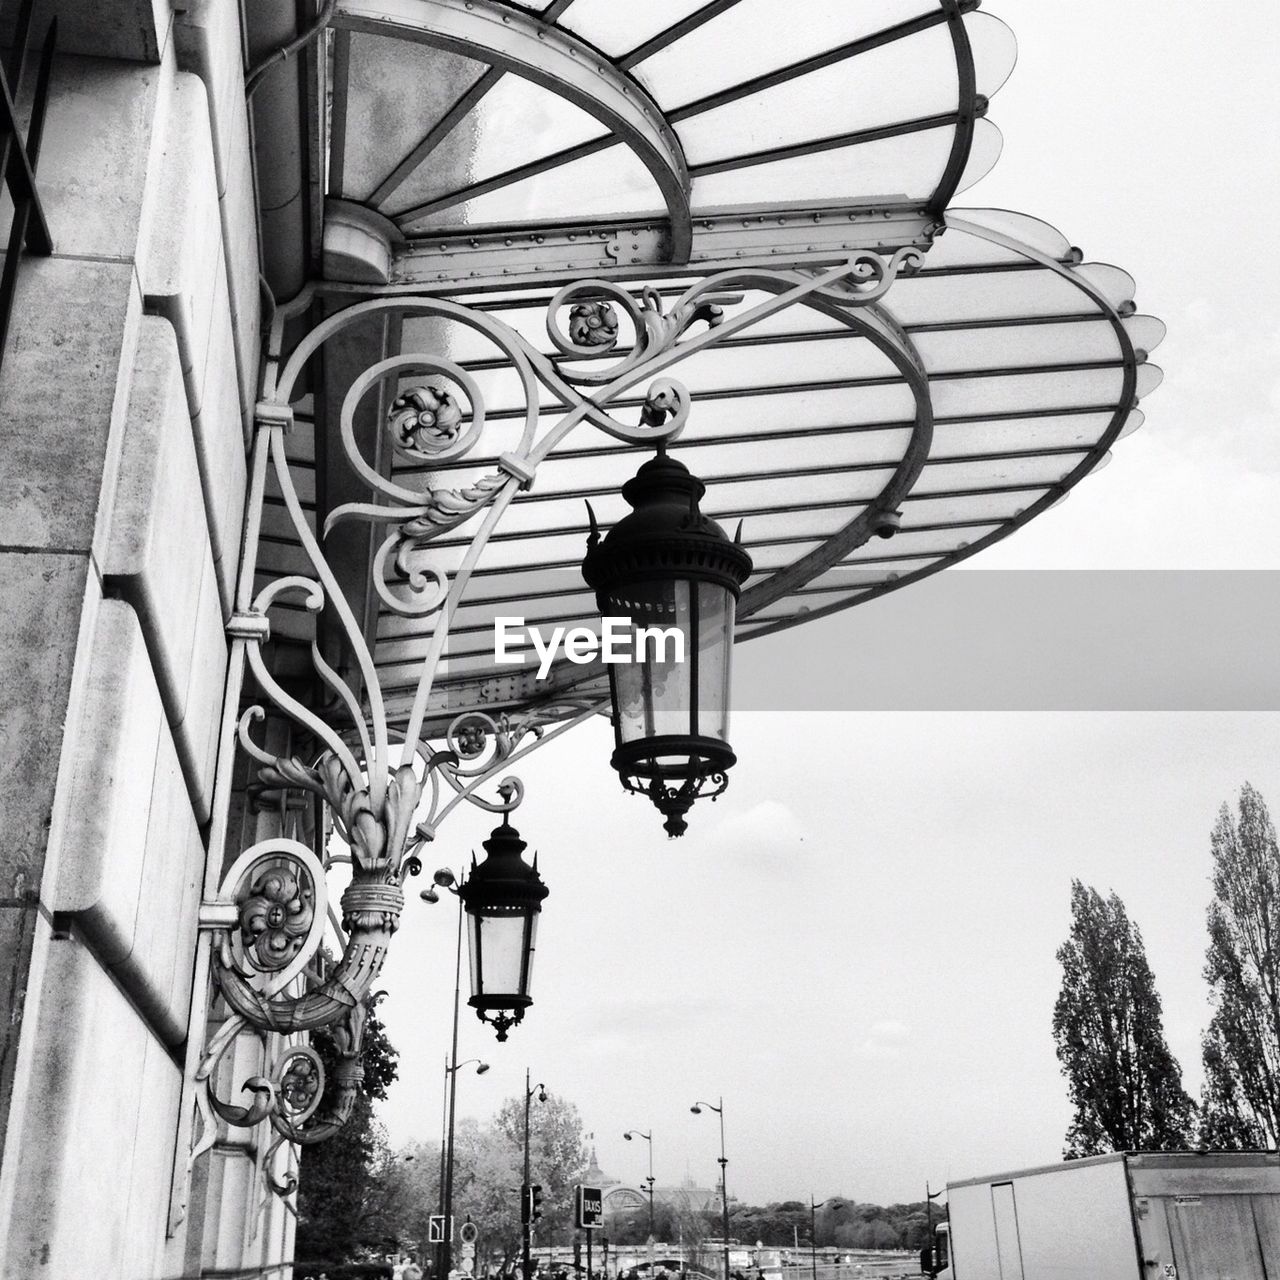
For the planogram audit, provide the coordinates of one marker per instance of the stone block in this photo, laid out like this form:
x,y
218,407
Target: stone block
x,y
110,779
130,857
146,1219
94,1136
73,326
220,447
97,154
240,240
44,598
157,545
183,267
208,42
158,556
197,733
136,30
157,900
19,920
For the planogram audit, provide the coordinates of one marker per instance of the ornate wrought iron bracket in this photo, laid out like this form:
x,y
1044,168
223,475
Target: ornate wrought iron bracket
x,y
386,788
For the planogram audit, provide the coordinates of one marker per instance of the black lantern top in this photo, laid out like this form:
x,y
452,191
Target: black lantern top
x,y
665,535
670,569
502,897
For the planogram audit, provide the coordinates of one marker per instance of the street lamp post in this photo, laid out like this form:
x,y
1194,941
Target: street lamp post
x,y
527,1225
813,1235
452,1073
724,1165
648,1137
444,878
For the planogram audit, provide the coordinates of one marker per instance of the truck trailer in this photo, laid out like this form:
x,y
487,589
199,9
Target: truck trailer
x,y
1128,1216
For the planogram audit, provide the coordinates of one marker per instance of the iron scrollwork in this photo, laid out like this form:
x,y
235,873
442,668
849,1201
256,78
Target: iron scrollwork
x,y
267,919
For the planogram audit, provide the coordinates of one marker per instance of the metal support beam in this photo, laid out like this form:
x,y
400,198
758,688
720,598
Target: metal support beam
x,y
809,235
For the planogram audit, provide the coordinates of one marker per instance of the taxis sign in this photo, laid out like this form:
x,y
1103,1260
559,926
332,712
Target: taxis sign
x,y
589,1206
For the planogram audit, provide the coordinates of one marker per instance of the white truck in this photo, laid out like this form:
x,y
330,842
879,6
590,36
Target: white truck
x,y
1164,1216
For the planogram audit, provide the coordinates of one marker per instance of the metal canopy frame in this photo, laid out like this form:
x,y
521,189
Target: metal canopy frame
x,y
803,565
500,39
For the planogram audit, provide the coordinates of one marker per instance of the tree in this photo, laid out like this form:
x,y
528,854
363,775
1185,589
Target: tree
x,y
414,1194
1124,1083
346,1208
557,1153
486,1188
488,1168
1241,1048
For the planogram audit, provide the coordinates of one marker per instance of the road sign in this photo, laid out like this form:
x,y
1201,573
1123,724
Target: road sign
x,y
589,1208
435,1228
469,1233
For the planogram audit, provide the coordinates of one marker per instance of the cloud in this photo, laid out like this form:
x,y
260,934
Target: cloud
x,y
885,1040
766,828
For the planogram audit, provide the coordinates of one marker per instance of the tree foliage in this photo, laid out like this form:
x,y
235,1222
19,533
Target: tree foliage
x,y
346,1201
1241,1048
1124,1083
557,1153
839,1222
488,1169
414,1195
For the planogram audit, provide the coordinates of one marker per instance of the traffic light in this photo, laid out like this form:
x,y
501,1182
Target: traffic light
x,y
535,1202
526,1203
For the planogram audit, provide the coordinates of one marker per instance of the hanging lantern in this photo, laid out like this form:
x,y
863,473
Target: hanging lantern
x,y
670,570
502,898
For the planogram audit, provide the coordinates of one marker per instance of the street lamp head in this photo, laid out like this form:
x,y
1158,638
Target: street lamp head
x,y
667,568
697,1110
627,1135
482,1068
502,898
443,877
542,1095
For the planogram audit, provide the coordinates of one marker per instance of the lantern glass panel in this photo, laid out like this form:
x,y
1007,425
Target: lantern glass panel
x,y
716,608
497,953
654,695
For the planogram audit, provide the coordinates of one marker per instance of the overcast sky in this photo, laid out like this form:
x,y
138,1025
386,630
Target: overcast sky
x,y
855,946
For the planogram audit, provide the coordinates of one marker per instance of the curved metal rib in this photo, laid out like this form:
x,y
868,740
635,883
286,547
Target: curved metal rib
x,y
554,58
967,106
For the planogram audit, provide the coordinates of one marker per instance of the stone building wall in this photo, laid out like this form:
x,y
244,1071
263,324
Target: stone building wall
x,y
126,387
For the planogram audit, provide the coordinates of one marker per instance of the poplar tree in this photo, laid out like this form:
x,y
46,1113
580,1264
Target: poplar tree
x,y
1124,1083
1241,1048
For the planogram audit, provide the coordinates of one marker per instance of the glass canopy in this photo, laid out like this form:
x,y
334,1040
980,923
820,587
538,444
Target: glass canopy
x,y
448,115
502,151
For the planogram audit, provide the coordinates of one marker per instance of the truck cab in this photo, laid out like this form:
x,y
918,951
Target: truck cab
x,y
935,1257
